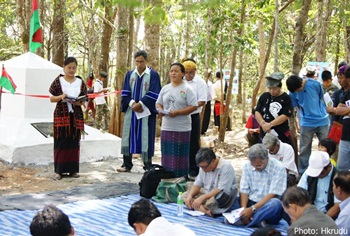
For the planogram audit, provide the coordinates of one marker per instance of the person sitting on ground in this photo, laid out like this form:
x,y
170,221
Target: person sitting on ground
x,y
329,146
284,153
317,180
253,127
306,218
215,187
268,231
341,189
146,220
51,221
263,180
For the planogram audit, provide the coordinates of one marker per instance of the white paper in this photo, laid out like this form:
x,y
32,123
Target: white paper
x,y
233,216
163,111
328,100
194,213
146,112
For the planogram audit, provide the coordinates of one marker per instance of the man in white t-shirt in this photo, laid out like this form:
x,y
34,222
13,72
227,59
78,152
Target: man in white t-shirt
x,y
284,153
146,220
102,110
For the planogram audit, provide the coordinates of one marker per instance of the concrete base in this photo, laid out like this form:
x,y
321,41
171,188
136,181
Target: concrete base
x,y
21,143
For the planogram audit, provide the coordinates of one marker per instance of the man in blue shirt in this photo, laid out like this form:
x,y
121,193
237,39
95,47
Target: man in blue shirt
x,y
263,181
307,95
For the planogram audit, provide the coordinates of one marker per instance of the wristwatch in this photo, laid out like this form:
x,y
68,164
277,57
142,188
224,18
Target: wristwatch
x,y
254,209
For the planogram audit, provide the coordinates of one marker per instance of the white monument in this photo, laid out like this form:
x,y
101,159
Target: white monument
x,y
20,142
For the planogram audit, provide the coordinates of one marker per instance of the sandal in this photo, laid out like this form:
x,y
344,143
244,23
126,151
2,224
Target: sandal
x,y
57,177
74,175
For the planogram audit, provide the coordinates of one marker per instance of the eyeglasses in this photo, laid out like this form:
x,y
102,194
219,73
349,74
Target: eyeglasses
x,y
259,166
205,167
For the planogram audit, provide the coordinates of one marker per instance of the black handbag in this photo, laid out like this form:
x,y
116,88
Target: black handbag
x,y
151,178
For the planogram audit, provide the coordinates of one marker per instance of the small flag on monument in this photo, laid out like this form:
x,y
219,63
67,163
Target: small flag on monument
x,y
36,33
6,81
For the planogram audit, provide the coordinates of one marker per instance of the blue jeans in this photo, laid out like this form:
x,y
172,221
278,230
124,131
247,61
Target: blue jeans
x,y
306,136
344,155
271,212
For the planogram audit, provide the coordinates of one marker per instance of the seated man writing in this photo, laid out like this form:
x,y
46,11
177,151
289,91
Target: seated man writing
x,y
146,220
215,188
263,180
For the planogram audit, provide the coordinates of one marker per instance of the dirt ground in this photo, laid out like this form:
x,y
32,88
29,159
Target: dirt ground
x,y
18,179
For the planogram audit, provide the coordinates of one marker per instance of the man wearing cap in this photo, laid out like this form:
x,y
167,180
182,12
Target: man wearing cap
x,y
307,96
263,180
140,92
274,109
215,187
200,89
318,181
102,110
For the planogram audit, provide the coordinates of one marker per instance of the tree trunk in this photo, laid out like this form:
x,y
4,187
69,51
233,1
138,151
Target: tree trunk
x,y
297,61
116,123
240,74
23,10
108,23
152,38
321,35
59,36
275,64
223,122
299,35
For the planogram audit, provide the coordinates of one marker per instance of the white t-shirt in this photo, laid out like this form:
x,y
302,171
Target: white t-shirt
x,y
161,226
71,89
176,98
98,86
286,155
200,89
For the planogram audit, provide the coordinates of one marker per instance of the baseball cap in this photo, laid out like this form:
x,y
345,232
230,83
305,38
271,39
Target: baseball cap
x,y
274,79
318,160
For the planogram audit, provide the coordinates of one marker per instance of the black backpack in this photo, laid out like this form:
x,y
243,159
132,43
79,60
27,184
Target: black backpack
x,y
151,178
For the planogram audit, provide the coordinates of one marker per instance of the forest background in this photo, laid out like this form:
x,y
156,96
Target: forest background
x,y
256,37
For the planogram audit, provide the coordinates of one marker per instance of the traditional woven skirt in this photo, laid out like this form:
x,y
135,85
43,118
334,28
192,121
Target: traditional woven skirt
x,y
175,147
67,151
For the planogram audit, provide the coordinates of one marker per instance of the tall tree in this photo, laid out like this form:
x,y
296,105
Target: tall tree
x,y
108,27
322,29
124,35
59,42
23,9
154,16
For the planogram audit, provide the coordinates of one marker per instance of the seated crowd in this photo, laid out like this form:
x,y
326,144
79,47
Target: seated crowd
x,y
311,194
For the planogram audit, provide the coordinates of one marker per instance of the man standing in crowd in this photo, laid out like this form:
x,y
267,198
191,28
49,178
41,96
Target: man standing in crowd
x,y
207,112
102,109
328,86
140,92
307,95
200,89
219,95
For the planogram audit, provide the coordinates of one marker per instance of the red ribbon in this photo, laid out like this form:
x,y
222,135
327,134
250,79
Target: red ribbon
x,y
92,95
